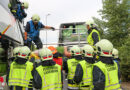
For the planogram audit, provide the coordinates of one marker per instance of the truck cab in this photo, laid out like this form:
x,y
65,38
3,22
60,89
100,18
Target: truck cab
x,y
74,33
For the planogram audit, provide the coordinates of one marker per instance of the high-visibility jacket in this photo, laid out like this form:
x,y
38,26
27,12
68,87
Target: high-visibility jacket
x,y
33,33
86,83
90,39
111,75
20,74
72,63
51,77
58,61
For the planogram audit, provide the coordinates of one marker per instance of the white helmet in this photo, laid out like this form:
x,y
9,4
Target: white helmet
x,y
115,53
45,54
75,50
24,52
90,23
25,4
16,51
88,51
104,47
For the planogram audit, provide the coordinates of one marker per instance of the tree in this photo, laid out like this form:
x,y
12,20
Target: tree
x,y
116,16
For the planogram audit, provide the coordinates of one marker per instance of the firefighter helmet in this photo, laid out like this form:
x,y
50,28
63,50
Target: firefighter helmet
x,y
9,5
87,51
75,50
16,51
45,54
24,52
90,23
115,53
53,49
35,18
25,5
104,48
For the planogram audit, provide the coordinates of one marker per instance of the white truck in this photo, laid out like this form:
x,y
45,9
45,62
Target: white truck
x,y
11,33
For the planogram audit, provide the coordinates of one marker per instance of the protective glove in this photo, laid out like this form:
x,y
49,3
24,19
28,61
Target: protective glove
x,y
53,29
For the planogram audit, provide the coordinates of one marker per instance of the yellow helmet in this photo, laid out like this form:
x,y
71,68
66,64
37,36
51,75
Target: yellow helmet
x,y
88,51
75,50
104,48
35,17
25,4
115,53
9,5
45,54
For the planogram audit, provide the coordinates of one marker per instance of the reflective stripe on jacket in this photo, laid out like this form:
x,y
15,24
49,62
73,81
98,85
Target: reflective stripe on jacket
x,y
51,77
20,74
72,63
90,39
86,83
111,75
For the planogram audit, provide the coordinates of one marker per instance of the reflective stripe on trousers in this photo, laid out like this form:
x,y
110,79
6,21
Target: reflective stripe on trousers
x,y
113,85
51,85
86,78
77,88
85,88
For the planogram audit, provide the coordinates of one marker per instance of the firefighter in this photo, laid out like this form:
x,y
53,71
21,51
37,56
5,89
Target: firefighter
x,y
93,34
18,10
57,57
115,55
15,53
70,67
48,75
32,31
83,74
19,76
106,72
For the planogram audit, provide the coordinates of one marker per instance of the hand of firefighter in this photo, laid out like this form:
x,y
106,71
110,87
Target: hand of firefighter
x,y
53,29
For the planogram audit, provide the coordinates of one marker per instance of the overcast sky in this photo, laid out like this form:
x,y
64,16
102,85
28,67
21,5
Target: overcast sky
x,y
62,11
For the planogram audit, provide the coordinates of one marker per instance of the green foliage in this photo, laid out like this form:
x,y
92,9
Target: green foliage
x,y
116,17
60,49
125,59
